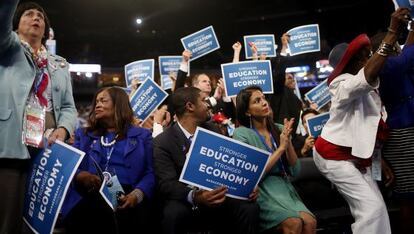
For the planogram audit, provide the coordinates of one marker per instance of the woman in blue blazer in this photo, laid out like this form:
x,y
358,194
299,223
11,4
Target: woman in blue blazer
x,y
113,146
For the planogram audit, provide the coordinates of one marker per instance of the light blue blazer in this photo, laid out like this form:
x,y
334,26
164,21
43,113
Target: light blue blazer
x,y
17,73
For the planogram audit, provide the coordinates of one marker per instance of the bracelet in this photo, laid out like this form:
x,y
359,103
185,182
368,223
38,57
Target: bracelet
x,y
392,30
139,194
385,49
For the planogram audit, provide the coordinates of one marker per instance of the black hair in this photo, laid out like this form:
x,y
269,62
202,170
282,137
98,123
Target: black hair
x,y
357,61
308,111
181,97
28,6
242,105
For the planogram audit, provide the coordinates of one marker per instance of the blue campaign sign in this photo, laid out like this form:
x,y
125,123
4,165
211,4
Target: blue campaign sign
x,y
201,43
147,98
265,44
110,191
319,95
215,160
316,123
140,70
405,3
51,172
238,76
304,39
167,65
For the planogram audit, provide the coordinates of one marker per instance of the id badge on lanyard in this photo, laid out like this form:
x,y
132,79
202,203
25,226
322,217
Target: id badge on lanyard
x,y
33,122
376,164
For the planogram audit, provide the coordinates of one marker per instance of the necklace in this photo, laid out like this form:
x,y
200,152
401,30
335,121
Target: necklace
x,y
108,144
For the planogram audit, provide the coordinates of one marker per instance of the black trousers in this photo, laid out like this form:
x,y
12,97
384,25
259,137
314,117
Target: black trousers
x,y
233,216
13,176
93,215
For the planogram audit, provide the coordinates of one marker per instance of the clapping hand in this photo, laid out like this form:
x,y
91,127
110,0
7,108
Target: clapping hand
x,y
285,135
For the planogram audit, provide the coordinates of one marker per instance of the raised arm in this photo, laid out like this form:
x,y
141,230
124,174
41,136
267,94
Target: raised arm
x,y
410,37
183,71
376,62
7,9
236,54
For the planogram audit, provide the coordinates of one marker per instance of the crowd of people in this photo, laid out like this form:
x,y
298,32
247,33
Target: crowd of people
x,y
371,123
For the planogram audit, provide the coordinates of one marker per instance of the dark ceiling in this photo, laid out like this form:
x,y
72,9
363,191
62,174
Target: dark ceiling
x,y
104,31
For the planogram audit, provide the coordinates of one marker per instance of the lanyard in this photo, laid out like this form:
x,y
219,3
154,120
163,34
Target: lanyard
x,y
109,152
279,161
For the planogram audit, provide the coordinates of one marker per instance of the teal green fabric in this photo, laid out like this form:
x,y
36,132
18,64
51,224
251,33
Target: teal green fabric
x,y
277,199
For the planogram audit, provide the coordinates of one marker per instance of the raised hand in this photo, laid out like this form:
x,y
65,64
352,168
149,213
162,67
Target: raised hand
x,y
399,18
253,47
237,46
186,56
285,41
285,135
162,116
219,92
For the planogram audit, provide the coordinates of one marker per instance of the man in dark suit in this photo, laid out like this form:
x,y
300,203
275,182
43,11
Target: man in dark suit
x,y
184,208
218,101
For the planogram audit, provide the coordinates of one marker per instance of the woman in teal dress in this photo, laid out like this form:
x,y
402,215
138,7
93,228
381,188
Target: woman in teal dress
x,y
281,209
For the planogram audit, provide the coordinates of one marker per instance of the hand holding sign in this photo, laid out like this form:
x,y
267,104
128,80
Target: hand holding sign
x,y
253,196
406,4
253,47
210,198
219,92
162,116
57,134
130,200
285,41
398,18
237,47
263,44
308,145
186,56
